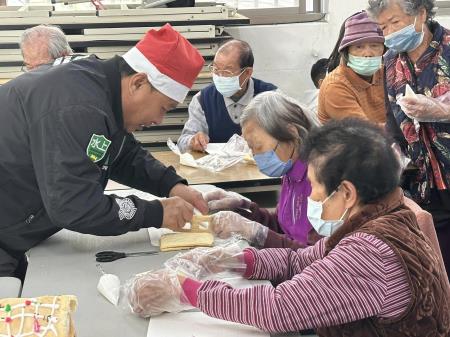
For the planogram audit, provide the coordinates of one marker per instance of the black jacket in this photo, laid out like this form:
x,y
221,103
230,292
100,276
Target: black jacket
x,y
48,122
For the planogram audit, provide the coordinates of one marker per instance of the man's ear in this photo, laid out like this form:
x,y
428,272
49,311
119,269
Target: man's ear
x,y
137,81
249,71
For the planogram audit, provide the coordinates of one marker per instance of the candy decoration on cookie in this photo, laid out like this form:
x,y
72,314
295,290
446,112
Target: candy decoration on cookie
x,y
36,325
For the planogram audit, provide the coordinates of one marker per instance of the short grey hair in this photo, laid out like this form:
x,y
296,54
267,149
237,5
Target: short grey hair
x,y
410,7
57,41
274,111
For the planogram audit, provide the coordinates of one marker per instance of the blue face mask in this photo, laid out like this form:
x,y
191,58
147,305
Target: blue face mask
x,y
404,40
271,165
365,66
227,86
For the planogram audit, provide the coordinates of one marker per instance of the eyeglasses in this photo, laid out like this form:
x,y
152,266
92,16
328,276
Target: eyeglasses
x,y
225,73
24,68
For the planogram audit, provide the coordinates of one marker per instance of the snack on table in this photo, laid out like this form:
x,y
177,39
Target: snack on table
x,y
46,316
180,241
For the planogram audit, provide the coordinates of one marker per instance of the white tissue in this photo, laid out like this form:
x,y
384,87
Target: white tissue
x,y
186,158
409,93
109,287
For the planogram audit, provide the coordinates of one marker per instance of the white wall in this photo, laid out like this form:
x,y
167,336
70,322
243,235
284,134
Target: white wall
x,y
284,54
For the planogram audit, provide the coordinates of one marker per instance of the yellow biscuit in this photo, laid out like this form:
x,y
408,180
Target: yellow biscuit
x,y
197,221
46,316
179,241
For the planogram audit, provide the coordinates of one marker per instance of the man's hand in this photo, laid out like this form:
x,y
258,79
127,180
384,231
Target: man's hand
x,y
176,213
192,196
199,142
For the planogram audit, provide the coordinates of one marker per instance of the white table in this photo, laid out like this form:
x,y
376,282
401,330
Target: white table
x,y
60,266
9,287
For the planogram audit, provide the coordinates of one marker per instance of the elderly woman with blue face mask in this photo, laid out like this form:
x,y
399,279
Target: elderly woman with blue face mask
x,y
274,127
418,86
355,88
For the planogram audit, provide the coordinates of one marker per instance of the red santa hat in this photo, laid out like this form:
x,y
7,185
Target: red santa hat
x,y
171,63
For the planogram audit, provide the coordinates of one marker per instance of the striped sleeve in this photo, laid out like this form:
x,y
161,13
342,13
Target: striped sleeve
x,y
361,277
270,263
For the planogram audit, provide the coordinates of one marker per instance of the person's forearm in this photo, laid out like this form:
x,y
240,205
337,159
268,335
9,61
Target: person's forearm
x,y
278,240
280,264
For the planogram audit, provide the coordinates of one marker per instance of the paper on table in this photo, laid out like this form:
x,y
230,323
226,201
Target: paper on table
x,y
198,324
218,149
109,287
215,148
186,158
221,157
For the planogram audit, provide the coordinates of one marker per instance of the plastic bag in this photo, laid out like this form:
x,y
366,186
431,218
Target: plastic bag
x,y
232,153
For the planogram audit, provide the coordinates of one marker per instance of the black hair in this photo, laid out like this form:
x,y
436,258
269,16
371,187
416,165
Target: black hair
x,y
246,59
354,150
124,68
335,57
319,71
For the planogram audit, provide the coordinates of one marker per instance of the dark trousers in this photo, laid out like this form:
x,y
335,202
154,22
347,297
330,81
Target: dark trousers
x,y
440,210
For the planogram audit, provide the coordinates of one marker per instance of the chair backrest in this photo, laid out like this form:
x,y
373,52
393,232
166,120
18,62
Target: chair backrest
x,y
426,224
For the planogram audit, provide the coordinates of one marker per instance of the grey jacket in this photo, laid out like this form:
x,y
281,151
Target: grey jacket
x,y
61,138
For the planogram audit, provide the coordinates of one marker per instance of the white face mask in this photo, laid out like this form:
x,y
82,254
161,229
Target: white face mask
x,y
228,86
323,227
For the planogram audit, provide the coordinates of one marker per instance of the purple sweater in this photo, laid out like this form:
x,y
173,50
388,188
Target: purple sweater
x,y
288,226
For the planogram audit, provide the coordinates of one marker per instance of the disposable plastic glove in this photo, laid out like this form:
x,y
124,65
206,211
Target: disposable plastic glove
x,y
220,199
154,292
226,223
202,263
427,109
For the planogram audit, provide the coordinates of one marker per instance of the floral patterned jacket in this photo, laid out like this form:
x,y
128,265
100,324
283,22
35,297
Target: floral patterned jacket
x,y
428,146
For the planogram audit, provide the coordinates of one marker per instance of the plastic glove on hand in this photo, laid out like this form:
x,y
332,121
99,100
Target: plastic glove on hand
x,y
219,199
204,262
426,109
226,223
154,292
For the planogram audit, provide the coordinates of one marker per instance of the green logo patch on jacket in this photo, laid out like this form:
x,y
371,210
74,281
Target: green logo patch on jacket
x,y
97,148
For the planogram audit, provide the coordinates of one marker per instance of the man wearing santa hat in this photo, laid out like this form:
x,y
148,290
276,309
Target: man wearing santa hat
x,y
65,131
